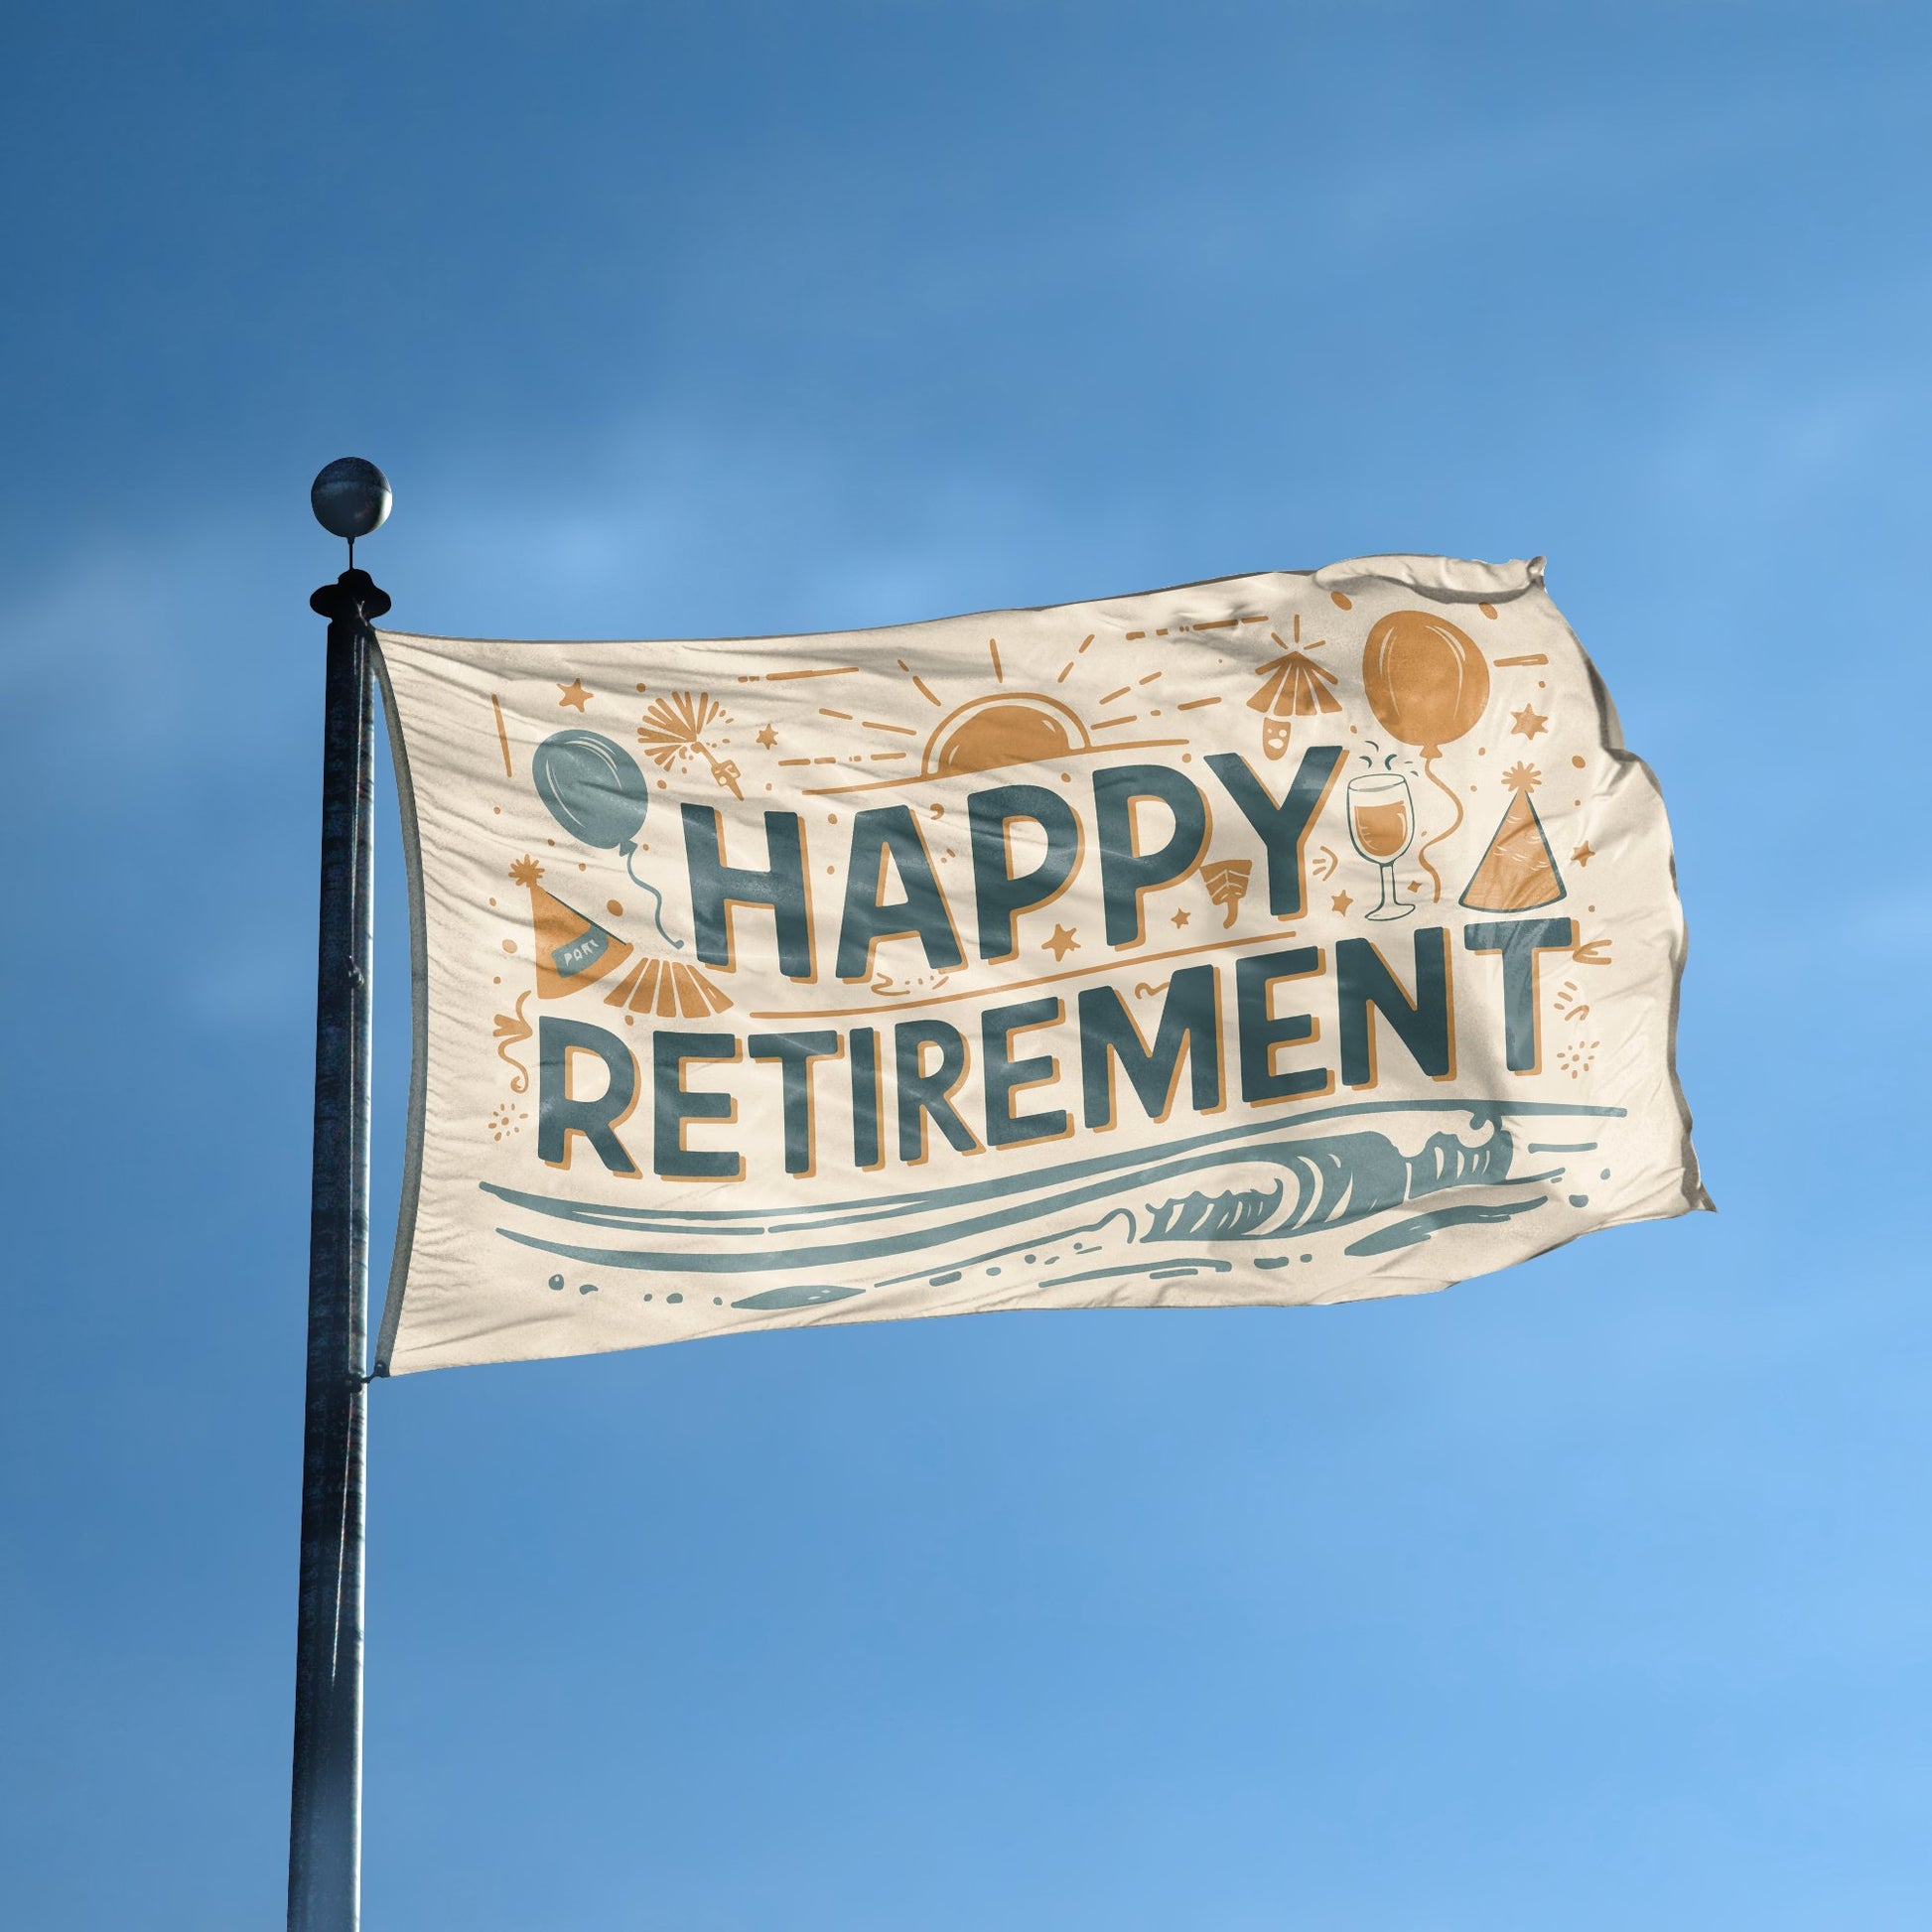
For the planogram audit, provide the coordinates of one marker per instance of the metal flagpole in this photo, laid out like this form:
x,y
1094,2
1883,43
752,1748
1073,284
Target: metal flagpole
x,y
350,499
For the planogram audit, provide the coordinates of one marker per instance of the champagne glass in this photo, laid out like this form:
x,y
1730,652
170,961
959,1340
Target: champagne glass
x,y
1382,822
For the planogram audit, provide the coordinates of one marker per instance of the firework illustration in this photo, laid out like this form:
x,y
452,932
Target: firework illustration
x,y
1578,1060
674,732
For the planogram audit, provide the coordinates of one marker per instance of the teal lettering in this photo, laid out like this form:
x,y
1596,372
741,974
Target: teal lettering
x,y
922,913
923,1095
560,1113
999,893
1283,829
1127,875
794,1053
716,889
1261,1033
866,1150
1189,1024
1364,983
672,1106
1003,1075
1519,941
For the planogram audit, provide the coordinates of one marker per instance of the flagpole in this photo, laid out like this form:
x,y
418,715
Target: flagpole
x,y
350,499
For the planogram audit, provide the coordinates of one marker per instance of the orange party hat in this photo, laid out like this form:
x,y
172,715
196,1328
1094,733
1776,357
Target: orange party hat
x,y
572,950
1518,872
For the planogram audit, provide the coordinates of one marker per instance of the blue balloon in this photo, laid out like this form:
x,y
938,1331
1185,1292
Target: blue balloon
x,y
596,792
592,788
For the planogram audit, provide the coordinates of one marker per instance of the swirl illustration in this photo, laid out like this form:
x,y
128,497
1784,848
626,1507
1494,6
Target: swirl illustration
x,y
513,1029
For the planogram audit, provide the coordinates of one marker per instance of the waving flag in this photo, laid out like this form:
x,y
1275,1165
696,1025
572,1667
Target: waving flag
x,y
1290,938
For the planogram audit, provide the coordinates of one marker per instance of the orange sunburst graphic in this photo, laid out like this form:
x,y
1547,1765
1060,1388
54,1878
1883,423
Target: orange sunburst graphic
x,y
1003,727
986,733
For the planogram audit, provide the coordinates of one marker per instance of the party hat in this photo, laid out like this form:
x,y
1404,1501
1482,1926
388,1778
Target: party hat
x,y
1519,871
572,950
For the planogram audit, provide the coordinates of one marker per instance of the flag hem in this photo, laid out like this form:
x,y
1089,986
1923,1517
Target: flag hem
x,y
412,1165
1487,581
1697,1197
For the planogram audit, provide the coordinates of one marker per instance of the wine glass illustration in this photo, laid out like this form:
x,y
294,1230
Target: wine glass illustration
x,y
1382,822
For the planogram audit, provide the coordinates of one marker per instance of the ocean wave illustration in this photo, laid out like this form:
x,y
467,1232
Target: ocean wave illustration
x,y
1297,1181
1225,1216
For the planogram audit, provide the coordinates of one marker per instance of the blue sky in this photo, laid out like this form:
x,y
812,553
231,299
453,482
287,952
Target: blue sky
x,y
1592,1595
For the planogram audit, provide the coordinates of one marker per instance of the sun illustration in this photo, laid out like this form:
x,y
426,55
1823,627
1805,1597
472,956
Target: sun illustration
x,y
999,728
996,731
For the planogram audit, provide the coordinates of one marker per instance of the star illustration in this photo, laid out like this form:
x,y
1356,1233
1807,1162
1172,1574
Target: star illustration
x,y
1584,854
1341,902
1061,943
767,738
1182,918
1529,721
575,695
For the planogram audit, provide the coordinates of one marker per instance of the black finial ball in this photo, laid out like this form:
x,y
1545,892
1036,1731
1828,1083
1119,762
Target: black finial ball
x,y
351,497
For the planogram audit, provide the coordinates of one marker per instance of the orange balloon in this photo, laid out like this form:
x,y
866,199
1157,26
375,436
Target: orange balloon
x,y
1425,682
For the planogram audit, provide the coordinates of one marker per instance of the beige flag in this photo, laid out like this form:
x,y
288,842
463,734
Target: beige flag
x,y
1290,938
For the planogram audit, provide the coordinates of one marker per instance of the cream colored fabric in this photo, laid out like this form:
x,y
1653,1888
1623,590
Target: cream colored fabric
x,y
1290,938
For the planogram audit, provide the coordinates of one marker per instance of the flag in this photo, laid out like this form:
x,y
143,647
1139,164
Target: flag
x,y
1290,938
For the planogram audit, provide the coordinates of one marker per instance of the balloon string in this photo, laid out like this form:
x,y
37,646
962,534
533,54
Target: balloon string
x,y
656,902
1422,857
